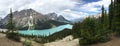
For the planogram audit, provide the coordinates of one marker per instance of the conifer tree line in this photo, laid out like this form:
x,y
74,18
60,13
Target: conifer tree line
x,y
93,30
114,16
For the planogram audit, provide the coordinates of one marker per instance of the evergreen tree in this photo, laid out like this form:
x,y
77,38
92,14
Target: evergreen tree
x,y
11,28
10,25
103,13
111,13
104,18
116,19
106,21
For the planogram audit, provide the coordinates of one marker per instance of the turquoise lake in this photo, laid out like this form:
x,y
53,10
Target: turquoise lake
x,y
46,32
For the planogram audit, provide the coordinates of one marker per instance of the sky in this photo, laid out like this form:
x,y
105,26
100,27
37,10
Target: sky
x,y
70,9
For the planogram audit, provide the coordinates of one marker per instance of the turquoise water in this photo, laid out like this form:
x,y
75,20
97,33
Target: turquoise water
x,y
46,32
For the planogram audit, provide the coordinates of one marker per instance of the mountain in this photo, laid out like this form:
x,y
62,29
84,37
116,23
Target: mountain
x,y
21,17
41,21
1,25
81,19
55,17
0,18
62,19
52,16
77,20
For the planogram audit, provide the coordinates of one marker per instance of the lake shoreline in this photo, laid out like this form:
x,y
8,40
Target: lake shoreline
x,y
45,32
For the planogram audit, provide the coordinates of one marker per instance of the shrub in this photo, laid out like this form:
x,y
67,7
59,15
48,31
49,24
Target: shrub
x,y
27,43
13,36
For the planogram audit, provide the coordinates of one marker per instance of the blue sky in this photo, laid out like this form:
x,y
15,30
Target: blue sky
x,y
70,9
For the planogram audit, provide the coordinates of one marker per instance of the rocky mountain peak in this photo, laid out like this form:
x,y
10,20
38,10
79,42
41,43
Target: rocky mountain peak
x,y
22,17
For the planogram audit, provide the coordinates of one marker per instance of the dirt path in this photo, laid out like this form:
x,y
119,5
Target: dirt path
x,y
114,42
64,42
6,42
68,41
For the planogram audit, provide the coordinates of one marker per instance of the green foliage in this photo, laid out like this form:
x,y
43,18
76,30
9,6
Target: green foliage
x,y
59,35
75,30
45,39
10,25
22,28
13,36
116,20
53,37
27,43
111,13
92,31
103,14
42,25
11,28
50,38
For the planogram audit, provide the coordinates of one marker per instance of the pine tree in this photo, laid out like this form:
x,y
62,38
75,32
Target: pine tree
x,y
111,13
116,19
103,13
10,25
103,17
106,20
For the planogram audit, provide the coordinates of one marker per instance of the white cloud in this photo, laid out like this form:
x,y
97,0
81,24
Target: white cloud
x,y
43,6
61,7
5,5
93,7
71,15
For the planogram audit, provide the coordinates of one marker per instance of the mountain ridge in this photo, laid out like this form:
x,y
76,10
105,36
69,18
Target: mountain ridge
x,y
21,18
